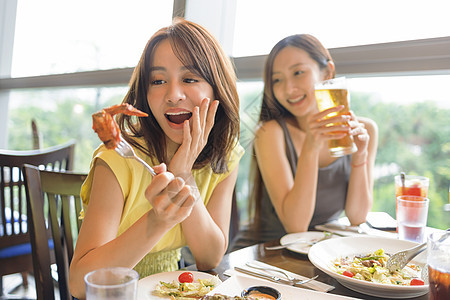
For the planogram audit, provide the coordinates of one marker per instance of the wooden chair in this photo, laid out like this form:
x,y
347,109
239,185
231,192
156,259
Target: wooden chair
x,y
37,137
15,248
234,221
54,205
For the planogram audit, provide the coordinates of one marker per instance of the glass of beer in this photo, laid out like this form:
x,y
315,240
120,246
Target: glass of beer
x,y
331,93
438,259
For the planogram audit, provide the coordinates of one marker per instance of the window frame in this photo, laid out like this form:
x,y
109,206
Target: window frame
x,y
417,57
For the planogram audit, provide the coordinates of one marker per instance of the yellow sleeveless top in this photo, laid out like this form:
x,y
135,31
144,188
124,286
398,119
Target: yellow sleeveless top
x,y
134,179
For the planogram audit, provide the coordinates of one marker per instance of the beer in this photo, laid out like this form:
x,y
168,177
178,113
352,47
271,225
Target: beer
x,y
328,97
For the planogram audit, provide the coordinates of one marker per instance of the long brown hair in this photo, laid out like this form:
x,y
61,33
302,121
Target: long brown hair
x,y
271,109
198,50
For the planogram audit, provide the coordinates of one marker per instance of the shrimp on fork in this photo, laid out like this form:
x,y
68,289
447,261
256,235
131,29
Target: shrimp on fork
x,y
106,127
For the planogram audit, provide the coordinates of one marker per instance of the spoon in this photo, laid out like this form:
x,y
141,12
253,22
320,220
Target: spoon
x,y
403,179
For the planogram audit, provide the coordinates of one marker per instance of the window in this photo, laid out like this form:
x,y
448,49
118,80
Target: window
x,y
71,36
260,24
111,34
61,115
414,135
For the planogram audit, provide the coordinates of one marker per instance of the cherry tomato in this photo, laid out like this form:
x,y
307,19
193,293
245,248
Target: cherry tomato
x,y
186,277
348,274
416,281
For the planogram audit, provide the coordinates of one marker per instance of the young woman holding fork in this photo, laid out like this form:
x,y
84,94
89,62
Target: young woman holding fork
x,y
186,84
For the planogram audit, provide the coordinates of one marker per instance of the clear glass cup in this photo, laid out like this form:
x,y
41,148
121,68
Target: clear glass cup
x,y
438,260
331,93
414,186
111,283
412,213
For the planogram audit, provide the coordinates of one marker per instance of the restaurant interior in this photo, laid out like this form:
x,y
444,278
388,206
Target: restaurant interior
x,y
60,62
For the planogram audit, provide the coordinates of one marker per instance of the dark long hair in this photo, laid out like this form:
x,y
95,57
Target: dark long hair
x,y
271,109
198,50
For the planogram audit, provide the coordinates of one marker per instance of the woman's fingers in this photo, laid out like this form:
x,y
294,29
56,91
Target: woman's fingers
x,y
324,113
206,117
339,120
160,168
158,184
197,126
210,118
171,198
204,109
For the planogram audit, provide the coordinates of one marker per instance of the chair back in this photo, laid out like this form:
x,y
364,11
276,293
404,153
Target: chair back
x,y
234,221
53,204
15,254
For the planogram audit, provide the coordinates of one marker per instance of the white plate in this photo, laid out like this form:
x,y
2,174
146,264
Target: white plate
x,y
147,285
309,236
324,253
234,286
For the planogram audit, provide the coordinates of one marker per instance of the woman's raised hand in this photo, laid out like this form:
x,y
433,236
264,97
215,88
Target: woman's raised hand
x,y
171,198
195,137
321,128
359,133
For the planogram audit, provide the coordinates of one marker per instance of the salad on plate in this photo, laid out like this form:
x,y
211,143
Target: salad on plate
x,y
372,267
186,287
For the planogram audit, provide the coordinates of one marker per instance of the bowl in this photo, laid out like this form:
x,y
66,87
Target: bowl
x,y
323,254
263,290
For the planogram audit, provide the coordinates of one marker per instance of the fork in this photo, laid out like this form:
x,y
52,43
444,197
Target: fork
x,y
125,150
281,271
400,259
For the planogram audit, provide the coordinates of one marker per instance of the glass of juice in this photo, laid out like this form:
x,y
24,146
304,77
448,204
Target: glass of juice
x,y
411,185
331,93
438,259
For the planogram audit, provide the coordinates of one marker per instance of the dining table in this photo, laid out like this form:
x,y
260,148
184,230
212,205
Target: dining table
x,y
283,258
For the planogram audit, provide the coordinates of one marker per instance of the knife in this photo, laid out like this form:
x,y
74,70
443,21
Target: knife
x,y
355,229
264,276
314,285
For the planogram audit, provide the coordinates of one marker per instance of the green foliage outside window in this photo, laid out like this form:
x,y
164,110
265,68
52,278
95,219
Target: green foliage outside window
x,y
414,138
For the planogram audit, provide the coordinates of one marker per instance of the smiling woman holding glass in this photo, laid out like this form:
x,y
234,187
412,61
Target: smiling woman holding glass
x,y
297,182
186,84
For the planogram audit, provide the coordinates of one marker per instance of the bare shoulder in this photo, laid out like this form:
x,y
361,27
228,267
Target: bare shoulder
x,y
269,137
268,129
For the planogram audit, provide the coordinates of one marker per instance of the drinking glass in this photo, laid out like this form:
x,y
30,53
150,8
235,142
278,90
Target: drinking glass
x,y
411,185
331,93
111,283
438,259
412,215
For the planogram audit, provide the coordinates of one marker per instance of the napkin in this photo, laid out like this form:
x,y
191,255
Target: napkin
x,y
314,284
